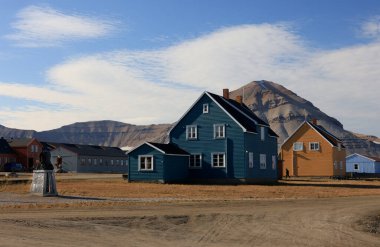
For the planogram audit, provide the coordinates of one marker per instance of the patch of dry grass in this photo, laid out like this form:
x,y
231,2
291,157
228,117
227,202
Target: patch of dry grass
x,y
118,188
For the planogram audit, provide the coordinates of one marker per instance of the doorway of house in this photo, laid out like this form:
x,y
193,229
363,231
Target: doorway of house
x,y
30,164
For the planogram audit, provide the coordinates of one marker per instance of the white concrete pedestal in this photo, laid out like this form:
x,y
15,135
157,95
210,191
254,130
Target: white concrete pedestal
x,y
44,183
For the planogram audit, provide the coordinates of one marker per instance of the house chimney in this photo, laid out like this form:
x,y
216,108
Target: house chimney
x,y
314,121
239,99
226,93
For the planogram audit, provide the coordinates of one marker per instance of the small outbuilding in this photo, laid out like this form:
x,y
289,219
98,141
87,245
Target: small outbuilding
x,y
362,164
156,162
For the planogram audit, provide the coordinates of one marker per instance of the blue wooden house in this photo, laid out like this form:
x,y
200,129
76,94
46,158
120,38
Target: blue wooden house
x,y
225,142
362,164
156,162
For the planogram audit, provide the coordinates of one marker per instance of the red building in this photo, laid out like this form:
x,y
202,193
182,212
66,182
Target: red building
x,y
27,150
6,153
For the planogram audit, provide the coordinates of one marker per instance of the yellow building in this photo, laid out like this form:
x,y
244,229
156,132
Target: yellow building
x,y
313,151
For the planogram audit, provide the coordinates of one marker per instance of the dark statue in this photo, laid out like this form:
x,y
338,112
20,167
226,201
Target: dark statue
x,y
45,160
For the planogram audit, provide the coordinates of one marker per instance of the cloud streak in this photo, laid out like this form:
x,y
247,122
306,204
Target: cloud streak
x,y
38,26
157,86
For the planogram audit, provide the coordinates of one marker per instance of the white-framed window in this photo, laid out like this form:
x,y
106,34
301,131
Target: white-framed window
x,y
298,146
218,160
356,166
335,165
274,162
263,161
250,160
191,132
262,131
100,161
314,146
146,163
219,131
95,161
195,161
111,162
341,165
82,162
205,108
34,148
89,161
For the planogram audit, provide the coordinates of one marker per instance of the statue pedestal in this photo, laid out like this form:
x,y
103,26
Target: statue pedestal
x,y
44,183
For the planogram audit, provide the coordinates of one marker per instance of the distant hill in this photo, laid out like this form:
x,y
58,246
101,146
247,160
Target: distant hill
x,y
281,108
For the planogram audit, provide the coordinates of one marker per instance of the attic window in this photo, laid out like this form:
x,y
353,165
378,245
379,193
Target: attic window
x,y
298,146
205,108
356,166
314,146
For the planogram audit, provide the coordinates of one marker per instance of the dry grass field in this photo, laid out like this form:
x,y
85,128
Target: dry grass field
x,y
285,189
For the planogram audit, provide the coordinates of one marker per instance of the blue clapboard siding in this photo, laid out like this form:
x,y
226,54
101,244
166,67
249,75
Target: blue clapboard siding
x,y
158,159
206,144
175,168
236,145
365,164
268,146
166,168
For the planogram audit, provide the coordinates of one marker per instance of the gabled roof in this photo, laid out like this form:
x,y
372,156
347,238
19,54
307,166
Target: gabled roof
x,y
376,159
330,138
4,147
240,113
327,135
167,148
20,142
89,150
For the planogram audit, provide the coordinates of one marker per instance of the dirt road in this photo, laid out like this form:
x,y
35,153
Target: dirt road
x,y
273,222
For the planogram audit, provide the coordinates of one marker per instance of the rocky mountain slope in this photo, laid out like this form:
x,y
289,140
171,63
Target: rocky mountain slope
x,y
280,107
285,111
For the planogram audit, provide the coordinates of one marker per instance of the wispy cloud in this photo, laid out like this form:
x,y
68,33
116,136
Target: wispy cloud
x,y
371,28
156,86
38,26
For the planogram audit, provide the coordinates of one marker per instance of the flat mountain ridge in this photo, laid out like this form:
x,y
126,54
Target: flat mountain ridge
x,y
281,108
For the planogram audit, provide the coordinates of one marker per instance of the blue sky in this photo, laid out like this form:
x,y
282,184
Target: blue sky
x,y
145,62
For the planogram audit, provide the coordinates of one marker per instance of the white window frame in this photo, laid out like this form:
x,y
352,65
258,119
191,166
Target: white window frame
x,y
263,161
250,159
83,161
262,133
218,159
146,157
194,158
100,161
205,108
356,167
191,132
274,162
335,165
218,134
298,146
89,161
314,146
94,161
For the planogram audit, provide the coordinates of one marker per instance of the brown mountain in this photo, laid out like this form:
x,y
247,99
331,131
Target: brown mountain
x,y
285,111
280,107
